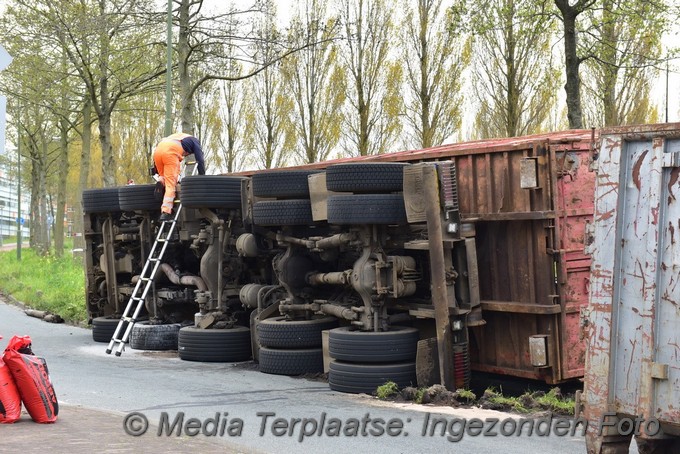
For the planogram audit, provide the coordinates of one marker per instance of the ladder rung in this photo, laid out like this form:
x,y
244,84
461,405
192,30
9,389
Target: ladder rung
x,y
162,238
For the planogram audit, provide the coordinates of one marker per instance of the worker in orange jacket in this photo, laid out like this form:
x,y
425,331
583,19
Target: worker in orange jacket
x,y
167,157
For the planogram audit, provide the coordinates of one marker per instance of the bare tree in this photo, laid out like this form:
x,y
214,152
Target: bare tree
x,y
234,114
372,120
620,72
514,81
40,81
568,13
315,80
435,55
270,135
108,44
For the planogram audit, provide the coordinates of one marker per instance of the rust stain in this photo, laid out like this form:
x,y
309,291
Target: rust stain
x,y
655,215
607,215
671,228
632,355
675,173
636,169
667,297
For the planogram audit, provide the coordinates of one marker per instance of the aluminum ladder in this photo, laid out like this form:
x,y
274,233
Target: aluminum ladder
x,y
145,282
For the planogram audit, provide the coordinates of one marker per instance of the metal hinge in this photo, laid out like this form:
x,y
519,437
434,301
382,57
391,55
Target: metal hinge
x,y
660,371
589,238
671,159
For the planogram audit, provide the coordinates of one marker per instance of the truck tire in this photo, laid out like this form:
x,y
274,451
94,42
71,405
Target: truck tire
x,y
102,200
367,347
361,209
138,197
291,362
365,378
282,212
366,177
282,184
211,191
279,332
214,345
104,327
146,336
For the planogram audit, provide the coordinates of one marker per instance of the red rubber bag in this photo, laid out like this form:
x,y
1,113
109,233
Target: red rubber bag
x,y
10,401
32,379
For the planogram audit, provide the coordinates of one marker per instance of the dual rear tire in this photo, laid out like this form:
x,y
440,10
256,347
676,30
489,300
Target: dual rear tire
x,y
292,347
363,360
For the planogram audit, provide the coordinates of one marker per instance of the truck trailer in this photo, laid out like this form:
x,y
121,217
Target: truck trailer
x,y
419,266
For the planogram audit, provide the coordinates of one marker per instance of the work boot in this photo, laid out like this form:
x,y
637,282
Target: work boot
x,y
165,217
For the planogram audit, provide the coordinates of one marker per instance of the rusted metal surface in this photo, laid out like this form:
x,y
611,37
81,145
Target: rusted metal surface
x,y
533,274
633,357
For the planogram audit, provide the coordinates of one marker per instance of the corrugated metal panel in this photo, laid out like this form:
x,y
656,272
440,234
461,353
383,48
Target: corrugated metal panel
x,y
633,358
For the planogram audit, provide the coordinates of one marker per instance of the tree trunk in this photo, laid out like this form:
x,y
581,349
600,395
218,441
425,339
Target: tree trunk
x,y
104,107
609,65
426,129
186,100
34,241
572,63
77,218
44,238
61,190
512,113
38,152
108,160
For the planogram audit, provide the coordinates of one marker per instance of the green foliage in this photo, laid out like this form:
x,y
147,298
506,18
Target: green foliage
x,y
45,283
497,398
316,81
529,402
418,398
515,83
386,390
466,394
373,111
555,402
435,55
625,39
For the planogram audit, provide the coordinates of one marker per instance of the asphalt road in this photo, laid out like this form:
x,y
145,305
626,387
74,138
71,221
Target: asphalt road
x,y
153,383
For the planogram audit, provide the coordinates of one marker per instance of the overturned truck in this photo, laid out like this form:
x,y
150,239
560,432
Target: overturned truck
x,y
417,267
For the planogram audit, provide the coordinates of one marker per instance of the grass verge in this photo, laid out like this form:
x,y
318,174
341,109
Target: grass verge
x,y
528,403
45,283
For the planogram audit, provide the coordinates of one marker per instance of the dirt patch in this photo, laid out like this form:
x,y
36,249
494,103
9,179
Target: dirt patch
x,y
534,404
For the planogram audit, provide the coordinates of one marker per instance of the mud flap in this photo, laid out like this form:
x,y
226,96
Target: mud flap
x,y
427,363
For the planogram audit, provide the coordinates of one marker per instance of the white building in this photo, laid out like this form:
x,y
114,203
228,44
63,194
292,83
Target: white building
x,y
9,204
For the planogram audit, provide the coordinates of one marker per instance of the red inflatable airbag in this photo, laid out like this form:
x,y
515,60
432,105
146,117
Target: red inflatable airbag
x,y
10,401
32,379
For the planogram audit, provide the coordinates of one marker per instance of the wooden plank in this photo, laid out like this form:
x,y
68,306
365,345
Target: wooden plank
x,y
438,277
510,216
520,308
